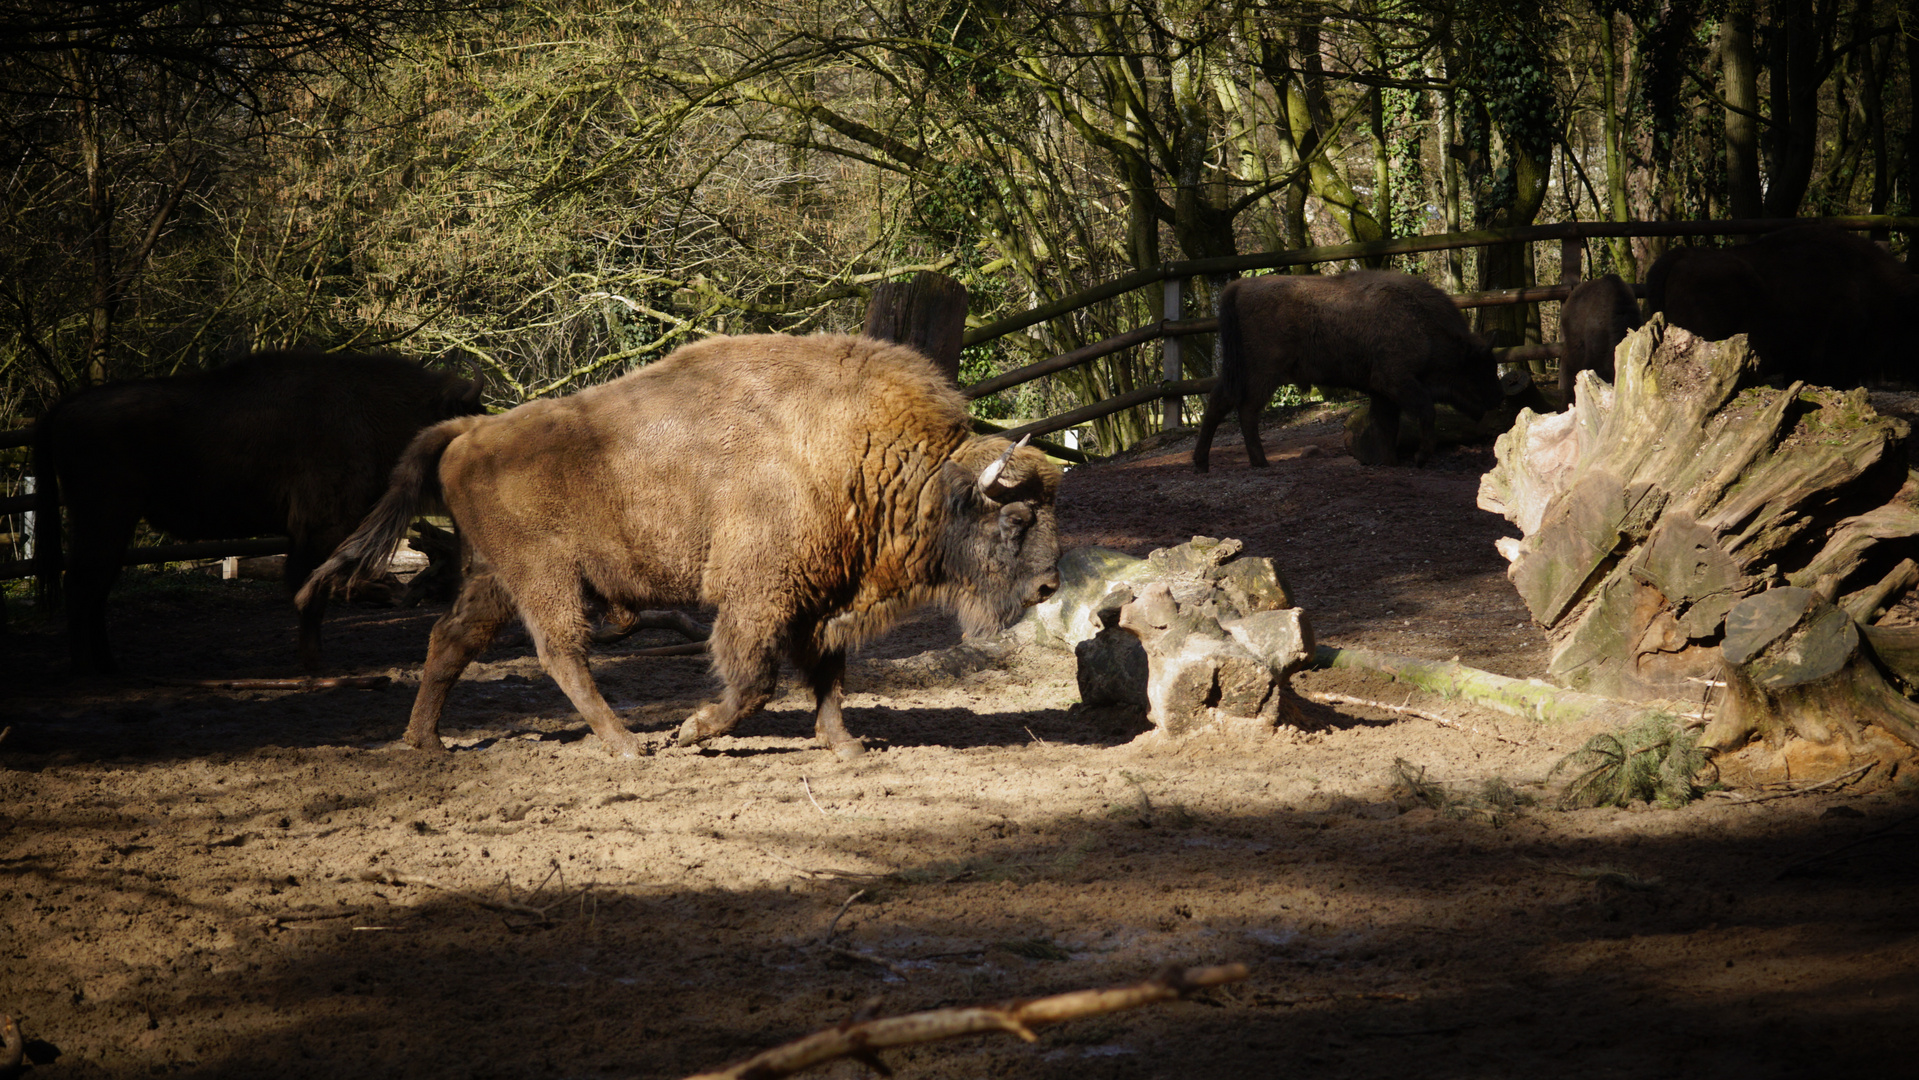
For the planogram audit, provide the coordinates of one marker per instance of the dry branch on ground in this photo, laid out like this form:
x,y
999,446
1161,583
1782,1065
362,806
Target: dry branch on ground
x,y
863,1039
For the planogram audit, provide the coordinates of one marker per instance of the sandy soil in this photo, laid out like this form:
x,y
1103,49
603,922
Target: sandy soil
x,y
206,882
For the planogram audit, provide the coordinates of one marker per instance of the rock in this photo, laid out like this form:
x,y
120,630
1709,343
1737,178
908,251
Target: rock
x,y
1204,571
1283,639
1086,576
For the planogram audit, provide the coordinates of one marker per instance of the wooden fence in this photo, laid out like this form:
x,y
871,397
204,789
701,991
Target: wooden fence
x,y
1172,388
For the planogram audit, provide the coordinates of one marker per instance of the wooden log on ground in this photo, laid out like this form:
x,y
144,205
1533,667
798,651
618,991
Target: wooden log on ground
x,y
1529,699
1795,667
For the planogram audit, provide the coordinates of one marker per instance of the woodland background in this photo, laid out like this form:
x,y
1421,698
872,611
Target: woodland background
x,y
562,191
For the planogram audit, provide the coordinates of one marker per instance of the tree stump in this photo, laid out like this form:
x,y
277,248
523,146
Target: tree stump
x,y
1689,525
927,312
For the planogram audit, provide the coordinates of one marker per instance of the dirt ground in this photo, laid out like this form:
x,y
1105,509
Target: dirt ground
x,y
205,882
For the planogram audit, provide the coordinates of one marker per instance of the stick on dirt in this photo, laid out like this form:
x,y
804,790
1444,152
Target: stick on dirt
x,y
338,682
830,927
807,784
1343,699
861,1040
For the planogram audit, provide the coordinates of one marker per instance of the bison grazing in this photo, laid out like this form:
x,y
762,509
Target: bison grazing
x,y
1592,322
1392,335
299,443
1817,303
814,489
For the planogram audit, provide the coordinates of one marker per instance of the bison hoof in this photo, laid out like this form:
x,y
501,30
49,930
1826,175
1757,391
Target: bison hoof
x,y
849,750
699,727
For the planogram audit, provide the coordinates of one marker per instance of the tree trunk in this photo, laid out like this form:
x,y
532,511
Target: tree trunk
x,y
1741,72
1656,507
928,313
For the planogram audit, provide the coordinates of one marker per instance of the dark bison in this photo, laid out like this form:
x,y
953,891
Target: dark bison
x,y
299,443
1593,321
1816,302
814,489
1392,335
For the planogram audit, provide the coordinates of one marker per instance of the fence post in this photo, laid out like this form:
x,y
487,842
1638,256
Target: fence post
x,y
1172,415
1571,248
927,311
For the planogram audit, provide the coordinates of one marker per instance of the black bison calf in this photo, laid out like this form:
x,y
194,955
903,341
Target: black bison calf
x,y
1816,302
814,489
1592,322
1392,335
299,443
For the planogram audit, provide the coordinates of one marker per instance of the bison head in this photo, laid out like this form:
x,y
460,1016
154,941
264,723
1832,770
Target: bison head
x,y
999,544
1474,385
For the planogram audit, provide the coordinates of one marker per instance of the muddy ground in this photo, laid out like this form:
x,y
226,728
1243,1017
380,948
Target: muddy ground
x,y
205,882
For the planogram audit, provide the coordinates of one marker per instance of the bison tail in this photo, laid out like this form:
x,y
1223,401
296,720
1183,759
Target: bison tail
x,y
364,554
48,561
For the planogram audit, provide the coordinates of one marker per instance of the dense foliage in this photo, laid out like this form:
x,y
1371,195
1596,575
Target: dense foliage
x,y
565,190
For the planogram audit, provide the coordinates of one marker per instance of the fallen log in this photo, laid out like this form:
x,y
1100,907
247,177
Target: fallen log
x,y
863,1039
1529,699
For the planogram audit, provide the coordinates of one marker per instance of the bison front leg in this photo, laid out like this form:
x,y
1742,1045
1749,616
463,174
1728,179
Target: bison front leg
x,y
1414,398
827,676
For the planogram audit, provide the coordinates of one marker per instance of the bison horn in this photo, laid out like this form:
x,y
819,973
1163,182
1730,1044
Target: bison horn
x,y
989,475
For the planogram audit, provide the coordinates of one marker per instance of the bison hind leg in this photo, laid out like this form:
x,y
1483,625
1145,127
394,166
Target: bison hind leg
x,y
305,556
559,631
748,663
458,636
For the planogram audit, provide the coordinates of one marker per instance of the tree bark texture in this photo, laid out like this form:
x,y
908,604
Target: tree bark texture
x,y
1654,506
928,312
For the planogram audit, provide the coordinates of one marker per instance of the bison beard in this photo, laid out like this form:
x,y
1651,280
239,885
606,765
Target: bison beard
x,y
814,489
299,443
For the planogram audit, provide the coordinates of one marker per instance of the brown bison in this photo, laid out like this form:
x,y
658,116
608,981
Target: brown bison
x,y
1816,302
814,489
1592,322
1392,335
299,443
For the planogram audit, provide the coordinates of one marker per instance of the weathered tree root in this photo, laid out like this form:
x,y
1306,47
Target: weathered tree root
x,y
1531,699
862,1040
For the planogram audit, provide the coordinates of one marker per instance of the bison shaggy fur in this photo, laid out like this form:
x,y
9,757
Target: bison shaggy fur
x,y
1392,335
813,489
296,443
1592,322
1816,302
